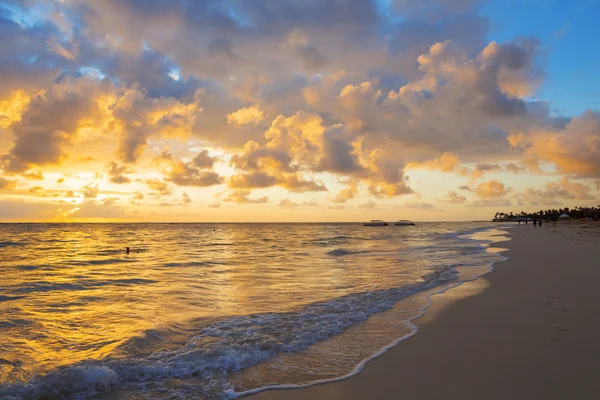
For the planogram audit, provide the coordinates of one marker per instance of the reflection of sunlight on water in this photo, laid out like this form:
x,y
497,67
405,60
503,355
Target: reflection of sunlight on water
x,y
73,294
344,353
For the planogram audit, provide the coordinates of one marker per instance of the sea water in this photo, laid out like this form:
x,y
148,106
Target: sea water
x,y
215,310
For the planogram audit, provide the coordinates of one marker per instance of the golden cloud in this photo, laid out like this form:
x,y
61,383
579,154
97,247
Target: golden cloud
x,y
491,189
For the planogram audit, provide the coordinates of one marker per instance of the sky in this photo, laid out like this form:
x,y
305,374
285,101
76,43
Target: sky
x,y
320,110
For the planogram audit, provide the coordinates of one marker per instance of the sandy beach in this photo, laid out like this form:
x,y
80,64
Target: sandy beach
x,y
527,330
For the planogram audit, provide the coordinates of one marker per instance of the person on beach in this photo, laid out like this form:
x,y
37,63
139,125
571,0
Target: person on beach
x,y
534,223
540,223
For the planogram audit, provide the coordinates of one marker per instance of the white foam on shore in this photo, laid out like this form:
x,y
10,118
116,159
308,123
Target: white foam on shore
x,y
414,329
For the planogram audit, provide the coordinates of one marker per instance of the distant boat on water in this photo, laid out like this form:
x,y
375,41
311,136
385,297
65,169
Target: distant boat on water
x,y
404,222
375,222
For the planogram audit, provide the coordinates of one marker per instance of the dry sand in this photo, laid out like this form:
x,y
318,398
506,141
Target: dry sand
x,y
528,330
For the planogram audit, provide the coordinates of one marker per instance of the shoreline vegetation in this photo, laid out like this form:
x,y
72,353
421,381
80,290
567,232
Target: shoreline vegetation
x,y
577,213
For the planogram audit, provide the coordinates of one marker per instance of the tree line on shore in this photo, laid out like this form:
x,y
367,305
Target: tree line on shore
x,y
552,214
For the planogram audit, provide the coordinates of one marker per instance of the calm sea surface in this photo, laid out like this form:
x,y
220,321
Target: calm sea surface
x,y
214,310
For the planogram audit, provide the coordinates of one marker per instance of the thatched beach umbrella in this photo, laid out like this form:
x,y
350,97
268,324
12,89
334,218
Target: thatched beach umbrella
x,y
563,216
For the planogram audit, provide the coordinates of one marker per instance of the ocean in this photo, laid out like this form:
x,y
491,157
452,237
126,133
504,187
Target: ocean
x,y
215,310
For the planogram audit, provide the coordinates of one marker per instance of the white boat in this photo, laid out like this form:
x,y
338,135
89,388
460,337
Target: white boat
x,y
404,222
375,222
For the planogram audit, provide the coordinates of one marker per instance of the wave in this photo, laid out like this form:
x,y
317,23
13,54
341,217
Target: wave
x,y
105,261
9,298
224,346
42,286
344,252
196,264
328,240
11,244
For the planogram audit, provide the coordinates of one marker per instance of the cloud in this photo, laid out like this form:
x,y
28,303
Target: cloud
x,y
90,191
557,191
48,124
492,203
33,175
447,162
574,149
515,168
465,187
252,180
116,173
193,173
454,198
7,184
137,196
158,187
294,95
348,193
109,201
93,209
491,189
242,197
141,117
287,203
421,205
22,210
296,184
245,116
311,203
480,169
203,160
368,205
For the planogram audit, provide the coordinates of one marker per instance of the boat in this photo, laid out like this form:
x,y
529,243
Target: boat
x,y
404,222
375,222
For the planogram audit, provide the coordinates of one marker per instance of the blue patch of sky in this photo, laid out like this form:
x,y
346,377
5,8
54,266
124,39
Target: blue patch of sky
x,y
27,16
385,8
233,11
92,72
568,32
175,74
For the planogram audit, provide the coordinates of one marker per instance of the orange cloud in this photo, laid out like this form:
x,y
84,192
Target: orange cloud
x,y
491,189
574,150
348,193
242,197
7,184
447,162
554,192
246,116
454,198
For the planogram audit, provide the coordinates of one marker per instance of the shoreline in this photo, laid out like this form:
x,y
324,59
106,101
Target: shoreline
x,y
409,365
502,232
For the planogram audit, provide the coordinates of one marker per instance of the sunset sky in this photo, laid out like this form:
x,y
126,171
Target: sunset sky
x,y
288,110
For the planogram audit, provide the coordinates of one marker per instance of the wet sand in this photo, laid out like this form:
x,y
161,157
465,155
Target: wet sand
x,y
528,330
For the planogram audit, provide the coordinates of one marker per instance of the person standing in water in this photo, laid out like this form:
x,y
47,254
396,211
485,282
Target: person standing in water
x,y
127,250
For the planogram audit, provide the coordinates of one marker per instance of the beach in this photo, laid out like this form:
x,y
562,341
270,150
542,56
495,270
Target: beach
x,y
527,330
